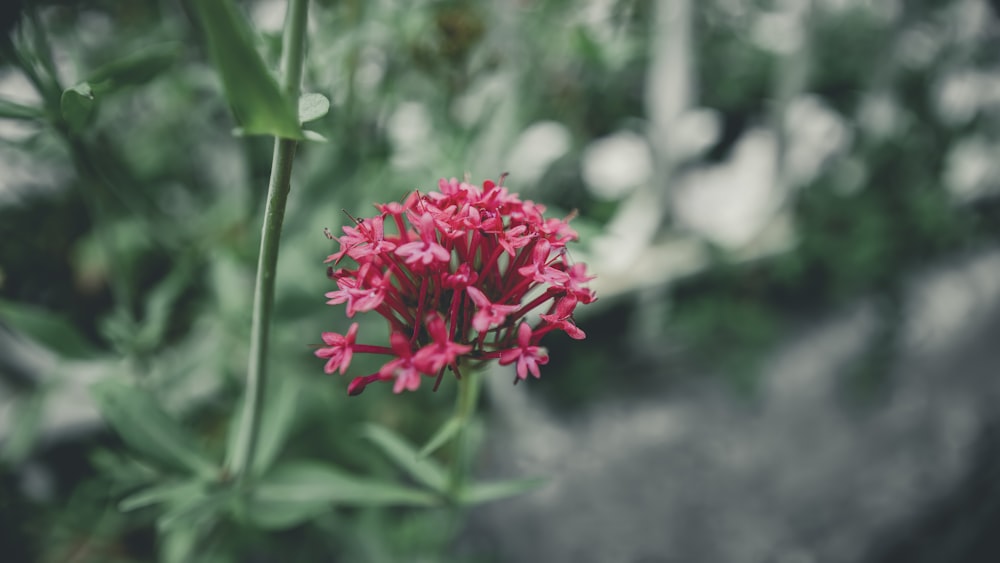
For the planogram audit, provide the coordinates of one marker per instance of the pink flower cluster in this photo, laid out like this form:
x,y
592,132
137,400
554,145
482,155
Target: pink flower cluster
x,y
455,279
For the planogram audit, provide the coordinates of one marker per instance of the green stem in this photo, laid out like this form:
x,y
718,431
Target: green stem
x,y
465,407
241,457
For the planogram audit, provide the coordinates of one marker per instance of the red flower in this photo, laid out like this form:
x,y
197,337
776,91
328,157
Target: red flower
x,y
339,349
427,250
402,368
488,314
528,357
362,292
541,269
441,351
562,317
453,272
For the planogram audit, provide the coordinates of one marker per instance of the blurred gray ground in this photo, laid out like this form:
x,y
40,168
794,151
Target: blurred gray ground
x,y
801,473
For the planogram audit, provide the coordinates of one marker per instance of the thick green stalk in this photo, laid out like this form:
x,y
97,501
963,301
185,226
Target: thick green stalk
x,y
241,456
465,407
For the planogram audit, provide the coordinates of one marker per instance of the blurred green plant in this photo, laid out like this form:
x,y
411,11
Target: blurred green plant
x,y
197,503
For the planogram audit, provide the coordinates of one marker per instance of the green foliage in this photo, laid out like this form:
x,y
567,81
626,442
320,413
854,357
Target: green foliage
x,y
78,106
136,68
424,470
308,483
26,417
137,417
444,434
487,492
14,110
51,330
251,90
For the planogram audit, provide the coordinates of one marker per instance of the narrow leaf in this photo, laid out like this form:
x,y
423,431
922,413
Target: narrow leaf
x,y
276,423
135,68
173,492
251,90
46,328
26,418
179,545
447,431
14,110
160,305
144,426
306,481
313,107
77,106
280,515
424,470
315,137
194,511
298,491
487,492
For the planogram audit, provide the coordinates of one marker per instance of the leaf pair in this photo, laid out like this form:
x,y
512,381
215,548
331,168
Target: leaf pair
x,y
147,429
252,92
78,104
432,475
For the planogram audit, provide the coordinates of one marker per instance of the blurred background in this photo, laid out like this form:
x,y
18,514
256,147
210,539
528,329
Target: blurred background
x,y
792,208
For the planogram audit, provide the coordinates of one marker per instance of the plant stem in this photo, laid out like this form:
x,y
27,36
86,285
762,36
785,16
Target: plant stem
x,y
241,457
465,407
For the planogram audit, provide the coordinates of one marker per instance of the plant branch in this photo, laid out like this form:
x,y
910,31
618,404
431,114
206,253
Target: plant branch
x,y
465,408
241,456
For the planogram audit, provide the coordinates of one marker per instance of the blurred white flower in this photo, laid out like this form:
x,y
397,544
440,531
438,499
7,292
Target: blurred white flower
x,y
535,149
971,169
409,128
613,166
815,133
692,133
730,203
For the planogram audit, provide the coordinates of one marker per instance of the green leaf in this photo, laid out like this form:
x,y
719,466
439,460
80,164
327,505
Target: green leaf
x,y
14,110
487,492
306,481
587,47
424,470
179,545
26,418
194,511
276,422
447,431
178,492
78,106
253,94
280,514
299,491
135,68
144,426
160,305
280,411
46,328
315,137
313,107
126,472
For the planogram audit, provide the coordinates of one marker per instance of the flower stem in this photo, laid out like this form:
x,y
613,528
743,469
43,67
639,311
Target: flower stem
x,y
240,459
465,407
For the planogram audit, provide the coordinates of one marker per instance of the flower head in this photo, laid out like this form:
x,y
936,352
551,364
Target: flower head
x,y
454,273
